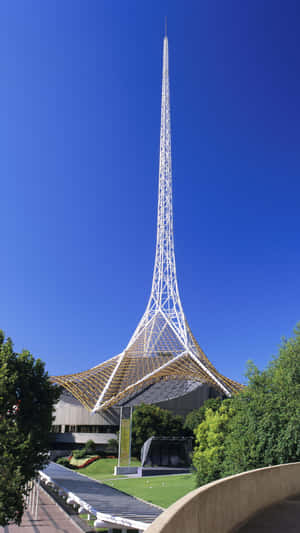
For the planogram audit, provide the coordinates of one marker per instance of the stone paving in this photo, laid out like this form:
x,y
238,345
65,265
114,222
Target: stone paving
x,y
49,520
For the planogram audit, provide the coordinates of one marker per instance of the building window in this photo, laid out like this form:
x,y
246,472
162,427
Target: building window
x,y
55,429
84,429
95,429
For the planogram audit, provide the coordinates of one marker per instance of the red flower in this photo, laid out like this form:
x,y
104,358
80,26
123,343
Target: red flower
x,y
89,461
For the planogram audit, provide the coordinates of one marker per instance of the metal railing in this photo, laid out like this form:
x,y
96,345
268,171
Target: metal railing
x,y
32,491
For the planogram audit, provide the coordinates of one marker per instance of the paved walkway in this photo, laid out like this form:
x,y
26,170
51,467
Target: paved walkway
x,y
283,517
49,520
102,498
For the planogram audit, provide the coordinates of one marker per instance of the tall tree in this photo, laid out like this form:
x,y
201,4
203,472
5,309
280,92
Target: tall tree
x,y
210,436
151,420
262,425
266,427
27,399
195,417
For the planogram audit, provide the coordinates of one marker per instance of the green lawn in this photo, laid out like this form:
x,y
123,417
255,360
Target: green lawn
x,y
160,490
104,469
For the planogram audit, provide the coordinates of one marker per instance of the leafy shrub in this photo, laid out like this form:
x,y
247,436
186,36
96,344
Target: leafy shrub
x,y
257,427
195,417
89,447
151,420
64,461
79,454
113,445
209,451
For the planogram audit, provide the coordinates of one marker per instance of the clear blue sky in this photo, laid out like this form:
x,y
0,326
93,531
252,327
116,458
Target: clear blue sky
x,y
80,114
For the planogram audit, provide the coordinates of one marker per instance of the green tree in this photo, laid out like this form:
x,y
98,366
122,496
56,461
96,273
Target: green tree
x,y
260,426
151,420
195,417
90,447
26,402
113,445
210,435
266,427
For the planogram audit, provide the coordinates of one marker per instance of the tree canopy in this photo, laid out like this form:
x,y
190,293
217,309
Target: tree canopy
x,y
263,426
27,399
151,420
195,417
210,435
265,429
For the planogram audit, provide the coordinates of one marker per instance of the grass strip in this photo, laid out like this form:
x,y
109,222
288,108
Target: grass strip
x,y
103,469
159,490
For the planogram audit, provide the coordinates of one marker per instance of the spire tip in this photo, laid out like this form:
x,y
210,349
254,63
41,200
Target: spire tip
x,y
165,26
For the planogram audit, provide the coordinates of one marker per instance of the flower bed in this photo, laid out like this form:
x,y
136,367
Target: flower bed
x,y
89,461
81,463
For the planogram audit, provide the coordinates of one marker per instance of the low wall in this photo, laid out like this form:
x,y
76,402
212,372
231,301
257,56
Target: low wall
x,y
221,506
124,470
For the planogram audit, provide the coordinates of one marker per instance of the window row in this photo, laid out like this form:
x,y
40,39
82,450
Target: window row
x,y
84,429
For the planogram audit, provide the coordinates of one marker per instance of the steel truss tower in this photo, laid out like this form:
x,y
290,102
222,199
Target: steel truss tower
x,y
162,346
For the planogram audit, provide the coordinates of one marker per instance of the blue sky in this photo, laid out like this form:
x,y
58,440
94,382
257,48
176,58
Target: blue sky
x,y
80,115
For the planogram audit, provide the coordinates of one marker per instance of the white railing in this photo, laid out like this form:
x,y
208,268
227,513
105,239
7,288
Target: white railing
x,y
101,519
32,497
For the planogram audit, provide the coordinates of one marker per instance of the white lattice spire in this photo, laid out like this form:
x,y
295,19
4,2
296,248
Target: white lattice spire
x,y
164,294
162,346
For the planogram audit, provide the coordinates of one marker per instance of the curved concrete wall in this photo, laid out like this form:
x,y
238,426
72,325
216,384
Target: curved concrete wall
x,y
223,505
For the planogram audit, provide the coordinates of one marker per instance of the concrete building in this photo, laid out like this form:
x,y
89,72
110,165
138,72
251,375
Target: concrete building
x,y
74,425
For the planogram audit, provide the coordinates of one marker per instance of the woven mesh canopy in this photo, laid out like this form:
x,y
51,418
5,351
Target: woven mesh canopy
x,y
157,354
